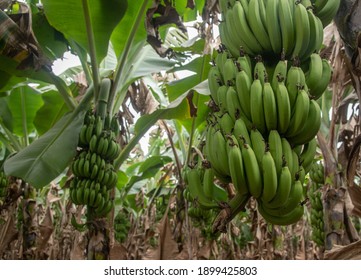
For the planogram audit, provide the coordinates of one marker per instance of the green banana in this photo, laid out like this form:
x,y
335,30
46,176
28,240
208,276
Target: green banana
x,y
236,167
229,71
269,177
273,26
256,102
322,85
302,31
243,87
287,26
222,98
233,105
195,188
287,219
226,123
270,107
300,113
314,75
308,154
244,63
245,31
260,71
316,29
327,12
283,107
275,147
310,127
240,132
252,170
258,144
280,72
283,190
293,82
257,26
214,82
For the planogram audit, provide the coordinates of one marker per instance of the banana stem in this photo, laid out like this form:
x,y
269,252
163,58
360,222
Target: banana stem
x,y
124,55
235,205
23,115
83,60
92,48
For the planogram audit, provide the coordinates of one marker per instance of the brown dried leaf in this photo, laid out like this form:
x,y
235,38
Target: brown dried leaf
x,y
355,195
46,228
8,233
353,159
168,248
349,252
118,252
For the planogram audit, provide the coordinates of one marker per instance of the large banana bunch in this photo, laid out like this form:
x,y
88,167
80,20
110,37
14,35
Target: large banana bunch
x,y
264,85
272,27
121,226
317,223
94,174
4,182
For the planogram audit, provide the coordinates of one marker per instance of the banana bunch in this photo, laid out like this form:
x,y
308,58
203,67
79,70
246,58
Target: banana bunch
x,y
201,188
281,98
94,174
272,27
121,226
4,182
317,223
317,173
268,169
202,219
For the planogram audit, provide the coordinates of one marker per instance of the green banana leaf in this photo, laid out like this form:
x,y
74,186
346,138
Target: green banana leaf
x,y
48,156
67,16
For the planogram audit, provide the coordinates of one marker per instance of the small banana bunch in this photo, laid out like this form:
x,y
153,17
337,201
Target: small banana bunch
x,y
201,188
121,226
317,223
317,173
202,219
4,182
93,167
261,27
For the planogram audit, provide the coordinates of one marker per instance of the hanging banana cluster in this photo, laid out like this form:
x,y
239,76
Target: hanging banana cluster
x,y
201,188
317,223
4,182
261,133
294,27
202,219
317,173
121,226
93,167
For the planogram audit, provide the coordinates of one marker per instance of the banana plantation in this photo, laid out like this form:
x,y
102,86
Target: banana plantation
x,y
180,130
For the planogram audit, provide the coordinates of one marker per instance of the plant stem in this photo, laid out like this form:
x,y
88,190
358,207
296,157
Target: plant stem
x,y
202,76
83,60
23,115
119,70
91,43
